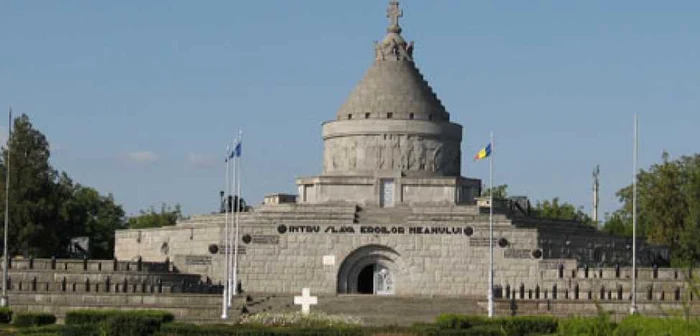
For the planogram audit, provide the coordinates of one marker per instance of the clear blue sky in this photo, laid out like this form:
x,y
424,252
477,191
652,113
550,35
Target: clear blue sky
x,y
138,98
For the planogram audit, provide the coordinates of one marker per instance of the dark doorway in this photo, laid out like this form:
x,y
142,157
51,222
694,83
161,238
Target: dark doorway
x,y
365,280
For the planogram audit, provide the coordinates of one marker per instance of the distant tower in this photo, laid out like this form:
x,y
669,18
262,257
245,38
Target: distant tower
x,y
596,190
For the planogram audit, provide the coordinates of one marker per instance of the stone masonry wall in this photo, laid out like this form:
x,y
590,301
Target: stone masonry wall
x,y
431,251
434,263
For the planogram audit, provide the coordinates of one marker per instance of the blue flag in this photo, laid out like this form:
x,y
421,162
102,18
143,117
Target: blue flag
x,y
236,152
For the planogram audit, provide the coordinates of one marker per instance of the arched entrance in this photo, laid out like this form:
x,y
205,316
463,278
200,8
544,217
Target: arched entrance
x,y
365,280
369,270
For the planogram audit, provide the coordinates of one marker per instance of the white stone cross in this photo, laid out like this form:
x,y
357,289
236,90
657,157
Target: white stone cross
x,y
305,300
394,13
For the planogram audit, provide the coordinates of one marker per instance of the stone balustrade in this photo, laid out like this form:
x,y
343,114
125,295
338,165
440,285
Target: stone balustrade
x,y
88,265
111,286
85,276
599,293
619,272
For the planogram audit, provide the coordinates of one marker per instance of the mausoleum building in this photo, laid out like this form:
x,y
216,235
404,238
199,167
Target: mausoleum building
x,y
390,214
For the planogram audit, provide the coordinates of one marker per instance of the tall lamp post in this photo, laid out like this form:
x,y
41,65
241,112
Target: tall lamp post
x,y
4,300
633,305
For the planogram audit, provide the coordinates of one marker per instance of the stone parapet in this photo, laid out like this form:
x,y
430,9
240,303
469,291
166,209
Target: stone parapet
x,y
437,191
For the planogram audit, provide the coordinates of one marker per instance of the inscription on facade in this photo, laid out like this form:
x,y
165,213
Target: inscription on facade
x,y
370,229
241,249
516,253
266,239
194,260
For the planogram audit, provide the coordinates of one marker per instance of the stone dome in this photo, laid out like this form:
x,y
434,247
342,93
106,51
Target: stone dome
x,y
392,124
393,87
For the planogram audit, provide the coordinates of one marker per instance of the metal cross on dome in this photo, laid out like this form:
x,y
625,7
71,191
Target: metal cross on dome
x,y
394,13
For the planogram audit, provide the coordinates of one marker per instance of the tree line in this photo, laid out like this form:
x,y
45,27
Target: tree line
x,y
547,209
668,208
48,208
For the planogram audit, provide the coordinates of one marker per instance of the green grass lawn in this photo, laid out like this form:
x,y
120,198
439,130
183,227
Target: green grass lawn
x,y
7,330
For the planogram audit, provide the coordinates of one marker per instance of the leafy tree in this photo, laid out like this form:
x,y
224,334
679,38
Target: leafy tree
x,y
689,239
554,209
499,192
550,209
619,223
32,229
46,208
87,213
668,207
151,219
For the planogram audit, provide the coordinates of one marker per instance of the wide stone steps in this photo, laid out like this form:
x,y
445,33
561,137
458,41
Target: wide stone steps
x,y
288,212
388,310
373,310
382,310
297,219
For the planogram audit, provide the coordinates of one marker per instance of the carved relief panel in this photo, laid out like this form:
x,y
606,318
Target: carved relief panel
x,y
391,152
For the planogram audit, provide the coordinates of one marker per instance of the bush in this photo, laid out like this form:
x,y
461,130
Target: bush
x,y
586,326
63,330
129,325
424,329
647,326
527,325
455,321
31,319
94,316
511,326
182,329
5,315
77,317
186,329
483,330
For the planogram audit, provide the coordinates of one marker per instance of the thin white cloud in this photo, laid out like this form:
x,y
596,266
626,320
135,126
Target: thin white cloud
x,y
200,160
142,157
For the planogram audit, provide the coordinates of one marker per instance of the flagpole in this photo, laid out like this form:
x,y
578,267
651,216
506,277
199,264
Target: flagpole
x,y
490,289
224,302
238,208
229,224
633,307
4,300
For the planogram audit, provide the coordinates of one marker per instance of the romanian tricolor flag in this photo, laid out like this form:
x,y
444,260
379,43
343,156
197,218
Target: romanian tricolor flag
x,y
483,153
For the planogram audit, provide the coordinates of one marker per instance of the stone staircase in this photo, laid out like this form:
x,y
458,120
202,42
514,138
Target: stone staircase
x,y
373,310
339,214
391,310
205,308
